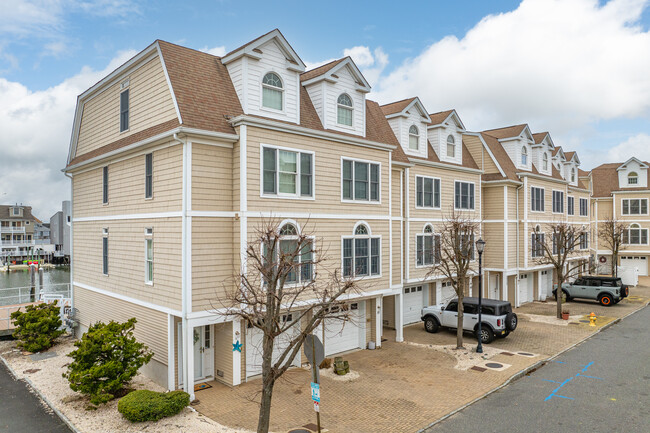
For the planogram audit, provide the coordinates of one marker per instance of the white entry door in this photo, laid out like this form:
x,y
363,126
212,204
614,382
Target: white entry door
x,y
493,292
413,303
546,282
203,353
639,262
255,339
524,295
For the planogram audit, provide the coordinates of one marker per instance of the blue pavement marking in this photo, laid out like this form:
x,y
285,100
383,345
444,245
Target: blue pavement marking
x,y
554,393
560,362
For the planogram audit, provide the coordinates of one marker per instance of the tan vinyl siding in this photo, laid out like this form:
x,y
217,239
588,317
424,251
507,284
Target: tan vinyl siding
x,y
126,266
212,178
512,246
223,355
212,261
150,104
126,186
512,203
512,288
327,174
494,247
151,328
397,252
493,203
397,193
389,311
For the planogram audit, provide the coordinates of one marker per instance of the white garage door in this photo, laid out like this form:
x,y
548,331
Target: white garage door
x,y
640,263
447,293
254,341
525,288
413,303
546,282
342,336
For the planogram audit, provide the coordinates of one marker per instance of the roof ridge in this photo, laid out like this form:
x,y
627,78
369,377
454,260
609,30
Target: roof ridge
x,y
252,41
187,48
397,102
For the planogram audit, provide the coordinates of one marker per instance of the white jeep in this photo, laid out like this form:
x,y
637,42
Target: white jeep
x,y
497,319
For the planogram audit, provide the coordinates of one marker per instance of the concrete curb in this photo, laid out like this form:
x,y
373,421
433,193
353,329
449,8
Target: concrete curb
x,y
41,396
529,369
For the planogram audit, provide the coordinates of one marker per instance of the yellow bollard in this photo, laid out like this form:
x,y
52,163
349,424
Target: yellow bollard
x,y
592,319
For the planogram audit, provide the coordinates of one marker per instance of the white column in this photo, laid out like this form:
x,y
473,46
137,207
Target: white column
x,y
236,355
504,284
380,323
539,286
399,317
188,367
170,353
471,285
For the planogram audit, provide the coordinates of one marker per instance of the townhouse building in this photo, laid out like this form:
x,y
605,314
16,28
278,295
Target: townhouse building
x,y
16,231
621,192
178,156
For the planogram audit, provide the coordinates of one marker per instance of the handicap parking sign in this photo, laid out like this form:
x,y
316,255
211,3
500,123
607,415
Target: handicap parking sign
x,y
315,392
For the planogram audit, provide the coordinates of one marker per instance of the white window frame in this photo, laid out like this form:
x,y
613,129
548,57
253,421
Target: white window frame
x,y
532,199
473,207
433,199
416,136
635,177
545,161
436,238
368,236
355,200
148,178
630,207
584,200
350,108
584,236
105,262
638,227
148,237
312,239
563,202
452,144
573,208
535,253
524,156
125,89
282,92
284,195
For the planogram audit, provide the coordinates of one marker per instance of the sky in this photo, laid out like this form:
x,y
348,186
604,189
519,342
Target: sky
x,y
579,69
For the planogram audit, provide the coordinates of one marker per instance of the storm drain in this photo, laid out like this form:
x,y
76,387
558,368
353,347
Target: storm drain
x,y
495,366
529,355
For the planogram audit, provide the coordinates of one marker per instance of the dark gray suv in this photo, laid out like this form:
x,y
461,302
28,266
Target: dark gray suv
x,y
606,290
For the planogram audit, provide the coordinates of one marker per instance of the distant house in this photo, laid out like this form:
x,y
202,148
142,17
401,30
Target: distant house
x,y
16,231
60,233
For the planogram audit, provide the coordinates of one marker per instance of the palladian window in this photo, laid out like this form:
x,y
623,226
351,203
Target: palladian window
x,y
272,91
361,253
344,110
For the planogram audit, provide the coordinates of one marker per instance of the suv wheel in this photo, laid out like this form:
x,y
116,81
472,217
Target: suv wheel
x,y
487,336
511,321
606,300
431,325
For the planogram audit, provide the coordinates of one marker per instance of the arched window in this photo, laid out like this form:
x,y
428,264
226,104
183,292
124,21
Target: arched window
x,y
635,235
272,91
451,147
288,230
414,137
294,249
344,110
545,161
361,253
427,249
524,155
632,178
573,174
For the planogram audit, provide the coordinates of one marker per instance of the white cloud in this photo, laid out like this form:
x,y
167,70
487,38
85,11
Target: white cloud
x,y
36,134
638,146
219,51
556,64
25,17
371,63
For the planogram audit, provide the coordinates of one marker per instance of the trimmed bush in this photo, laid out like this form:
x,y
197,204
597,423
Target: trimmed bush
x,y
38,327
145,405
106,359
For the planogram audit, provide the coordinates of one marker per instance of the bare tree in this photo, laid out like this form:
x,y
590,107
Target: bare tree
x,y
612,233
558,250
286,292
454,258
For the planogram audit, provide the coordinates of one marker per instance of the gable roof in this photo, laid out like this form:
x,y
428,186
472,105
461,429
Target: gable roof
x,y
604,179
441,116
638,161
5,213
468,160
327,72
398,108
502,158
313,73
251,49
507,132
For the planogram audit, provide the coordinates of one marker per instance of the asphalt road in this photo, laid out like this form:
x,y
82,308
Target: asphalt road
x,y
21,411
602,385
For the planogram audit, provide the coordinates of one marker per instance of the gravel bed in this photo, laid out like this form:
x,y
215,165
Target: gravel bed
x,y
46,377
466,358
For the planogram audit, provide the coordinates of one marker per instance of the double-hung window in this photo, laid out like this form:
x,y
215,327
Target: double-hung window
x,y
287,173
124,110
287,247
584,207
428,192
584,240
536,199
558,202
635,206
344,110
148,175
464,195
537,244
148,256
427,247
105,184
466,245
360,181
272,89
635,235
105,251
361,254
570,205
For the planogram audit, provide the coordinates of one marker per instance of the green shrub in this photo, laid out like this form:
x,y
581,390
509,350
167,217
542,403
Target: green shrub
x,y
38,327
147,405
106,359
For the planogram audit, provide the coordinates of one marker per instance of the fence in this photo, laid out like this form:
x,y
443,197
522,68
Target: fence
x,y
15,298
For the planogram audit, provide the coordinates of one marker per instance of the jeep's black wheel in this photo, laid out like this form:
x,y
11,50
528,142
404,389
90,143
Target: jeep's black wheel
x,y
431,325
511,321
617,301
487,336
625,291
606,300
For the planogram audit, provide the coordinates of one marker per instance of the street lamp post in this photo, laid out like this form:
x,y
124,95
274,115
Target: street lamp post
x,y
480,245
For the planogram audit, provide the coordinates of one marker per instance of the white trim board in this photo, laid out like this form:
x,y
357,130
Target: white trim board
x,y
125,298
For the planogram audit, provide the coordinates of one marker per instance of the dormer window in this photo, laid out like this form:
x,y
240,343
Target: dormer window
x,y
272,91
414,137
524,156
545,161
632,178
451,147
344,110
573,175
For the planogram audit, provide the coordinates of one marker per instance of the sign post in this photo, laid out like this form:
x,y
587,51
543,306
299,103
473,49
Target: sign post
x,y
314,351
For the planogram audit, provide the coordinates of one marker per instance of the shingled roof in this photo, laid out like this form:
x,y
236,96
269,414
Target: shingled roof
x,y
5,213
605,180
506,132
396,107
439,117
316,72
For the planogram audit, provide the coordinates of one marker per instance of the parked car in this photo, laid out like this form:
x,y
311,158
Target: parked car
x,y
497,318
606,290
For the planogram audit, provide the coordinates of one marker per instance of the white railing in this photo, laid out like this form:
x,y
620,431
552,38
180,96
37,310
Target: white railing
x,y
17,243
12,229
12,299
